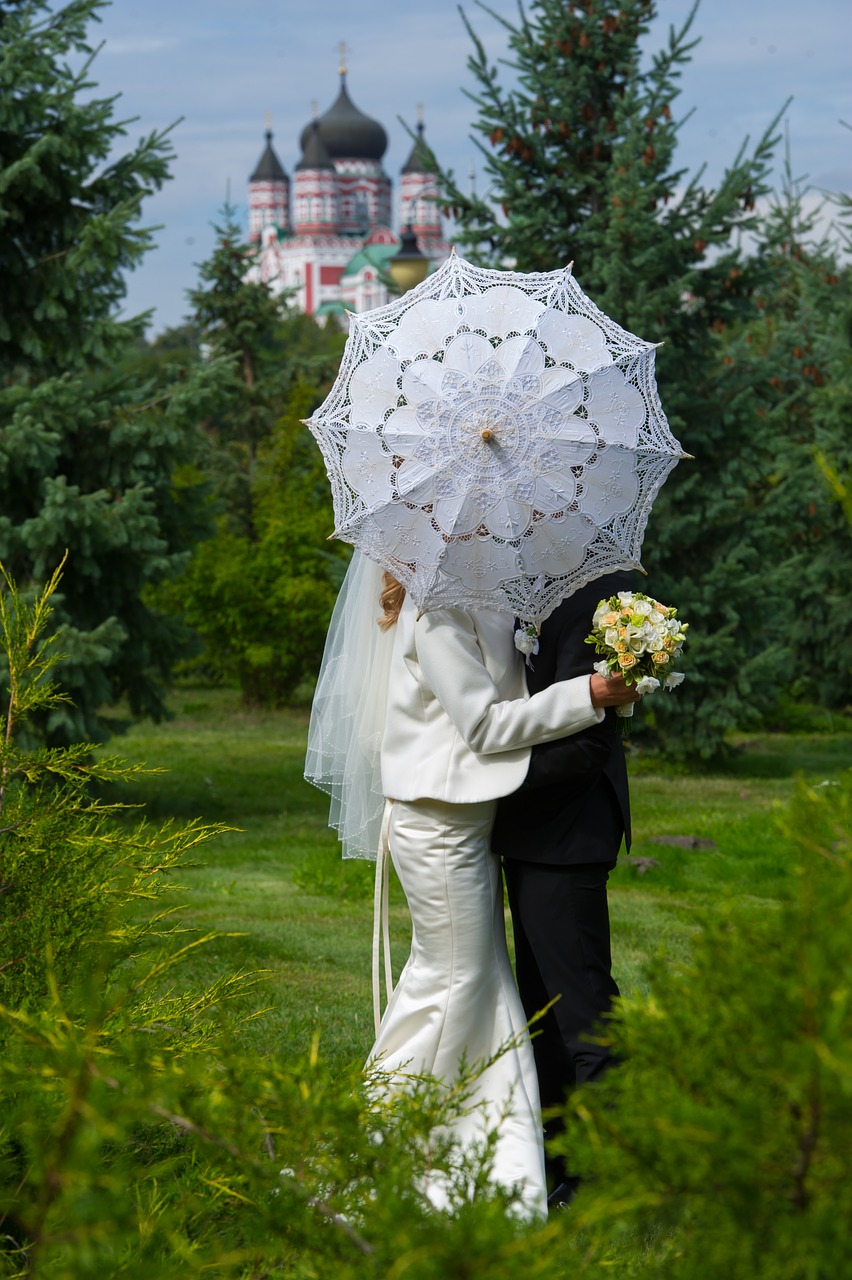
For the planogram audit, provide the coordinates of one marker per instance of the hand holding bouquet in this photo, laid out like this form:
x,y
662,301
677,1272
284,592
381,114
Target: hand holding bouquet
x,y
641,640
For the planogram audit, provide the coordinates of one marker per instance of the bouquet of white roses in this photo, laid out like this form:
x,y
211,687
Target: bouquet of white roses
x,y
639,639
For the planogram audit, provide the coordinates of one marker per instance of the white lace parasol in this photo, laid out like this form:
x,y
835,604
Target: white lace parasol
x,y
494,440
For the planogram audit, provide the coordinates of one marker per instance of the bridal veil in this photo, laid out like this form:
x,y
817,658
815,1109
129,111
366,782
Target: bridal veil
x,y
348,714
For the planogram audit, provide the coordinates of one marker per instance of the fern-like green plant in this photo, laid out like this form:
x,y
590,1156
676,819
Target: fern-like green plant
x,y
76,887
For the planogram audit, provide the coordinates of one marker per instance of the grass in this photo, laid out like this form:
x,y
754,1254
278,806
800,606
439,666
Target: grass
x,y
284,901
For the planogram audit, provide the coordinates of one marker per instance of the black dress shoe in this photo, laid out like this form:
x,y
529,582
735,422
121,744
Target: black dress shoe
x,y
561,1196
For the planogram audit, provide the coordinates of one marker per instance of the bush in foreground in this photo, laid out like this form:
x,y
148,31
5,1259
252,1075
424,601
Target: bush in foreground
x,y
724,1136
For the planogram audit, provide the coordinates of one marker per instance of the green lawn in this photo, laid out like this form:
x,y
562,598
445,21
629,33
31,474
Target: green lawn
x,y
298,912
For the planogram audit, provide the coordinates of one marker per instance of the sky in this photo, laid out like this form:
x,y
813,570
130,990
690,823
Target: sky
x,y
220,66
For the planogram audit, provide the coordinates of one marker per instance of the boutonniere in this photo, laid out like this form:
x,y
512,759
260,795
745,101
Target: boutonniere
x,y
526,640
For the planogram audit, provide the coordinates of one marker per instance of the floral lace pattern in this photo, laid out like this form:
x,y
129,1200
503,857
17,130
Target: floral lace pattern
x,y
494,440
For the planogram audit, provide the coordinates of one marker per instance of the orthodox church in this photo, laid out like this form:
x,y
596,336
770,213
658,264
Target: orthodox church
x,y
325,235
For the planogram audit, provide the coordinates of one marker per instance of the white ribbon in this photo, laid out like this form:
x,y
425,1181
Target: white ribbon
x,y
381,929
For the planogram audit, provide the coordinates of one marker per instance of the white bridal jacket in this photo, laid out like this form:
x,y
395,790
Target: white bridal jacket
x,y
460,722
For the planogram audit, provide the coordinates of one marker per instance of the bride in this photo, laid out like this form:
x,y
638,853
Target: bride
x,y
419,724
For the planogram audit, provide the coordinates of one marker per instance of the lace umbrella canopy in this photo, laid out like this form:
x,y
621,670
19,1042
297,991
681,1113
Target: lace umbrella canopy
x,y
494,440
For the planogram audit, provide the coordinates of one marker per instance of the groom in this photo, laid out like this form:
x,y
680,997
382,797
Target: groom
x,y
559,837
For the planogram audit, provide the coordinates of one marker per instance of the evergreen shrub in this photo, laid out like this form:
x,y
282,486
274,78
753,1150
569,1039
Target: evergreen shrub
x,y
73,881
719,1147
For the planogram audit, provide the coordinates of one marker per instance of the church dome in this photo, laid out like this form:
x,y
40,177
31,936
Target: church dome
x,y
314,152
420,160
269,167
346,132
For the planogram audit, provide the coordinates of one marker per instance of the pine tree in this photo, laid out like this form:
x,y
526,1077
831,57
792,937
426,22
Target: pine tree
x,y
790,361
259,594
549,141
580,157
89,443
69,205
239,322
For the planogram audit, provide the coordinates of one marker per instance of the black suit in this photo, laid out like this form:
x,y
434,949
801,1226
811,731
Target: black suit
x,y
559,837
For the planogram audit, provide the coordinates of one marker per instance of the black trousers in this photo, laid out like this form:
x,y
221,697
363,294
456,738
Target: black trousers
x,y
560,920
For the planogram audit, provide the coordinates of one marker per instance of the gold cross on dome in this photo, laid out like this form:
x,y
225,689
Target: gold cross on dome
x,y
342,51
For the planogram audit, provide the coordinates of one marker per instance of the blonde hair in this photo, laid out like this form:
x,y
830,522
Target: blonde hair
x,y
390,598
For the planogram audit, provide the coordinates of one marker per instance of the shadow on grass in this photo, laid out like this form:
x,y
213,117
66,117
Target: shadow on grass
x,y
785,755
777,755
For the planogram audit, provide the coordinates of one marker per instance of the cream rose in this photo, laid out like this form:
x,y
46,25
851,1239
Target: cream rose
x,y
526,641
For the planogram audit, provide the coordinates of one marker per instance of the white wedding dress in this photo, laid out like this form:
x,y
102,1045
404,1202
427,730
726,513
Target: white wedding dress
x,y
456,998
459,725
